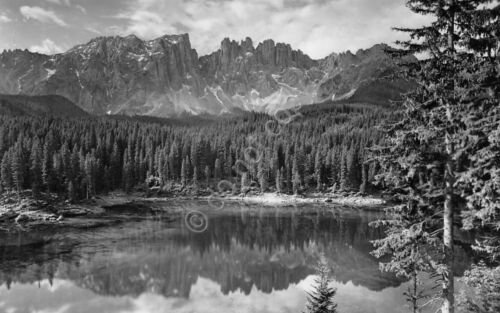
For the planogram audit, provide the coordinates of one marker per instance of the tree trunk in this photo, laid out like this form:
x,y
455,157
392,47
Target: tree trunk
x,y
448,284
415,292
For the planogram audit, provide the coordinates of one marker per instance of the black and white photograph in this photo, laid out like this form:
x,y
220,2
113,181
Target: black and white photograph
x,y
249,156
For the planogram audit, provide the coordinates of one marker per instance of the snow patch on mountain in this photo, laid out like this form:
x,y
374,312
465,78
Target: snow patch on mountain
x,y
20,79
79,81
50,73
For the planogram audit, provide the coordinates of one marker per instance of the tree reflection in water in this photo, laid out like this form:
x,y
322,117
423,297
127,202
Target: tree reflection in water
x,y
243,249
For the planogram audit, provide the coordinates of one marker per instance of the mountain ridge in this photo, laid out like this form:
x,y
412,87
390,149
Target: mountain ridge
x,y
166,76
48,105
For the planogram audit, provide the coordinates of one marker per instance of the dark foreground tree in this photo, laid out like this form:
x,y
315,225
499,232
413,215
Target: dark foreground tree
x,y
321,299
443,157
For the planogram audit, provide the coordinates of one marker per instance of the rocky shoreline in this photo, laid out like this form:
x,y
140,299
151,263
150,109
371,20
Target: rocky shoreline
x,y
23,212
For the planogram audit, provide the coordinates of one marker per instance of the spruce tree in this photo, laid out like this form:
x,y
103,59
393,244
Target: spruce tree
x,y
245,184
364,178
279,183
90,174
127,179
321,299
296,177
334,171
318,170
47,168
183,173
36,168
217,169
261,176
344,184
432,162
195,177
207,175
115,164
6,172
18,167
71,192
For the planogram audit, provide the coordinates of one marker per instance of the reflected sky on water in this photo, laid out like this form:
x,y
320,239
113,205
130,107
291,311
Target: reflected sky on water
x,y
249,259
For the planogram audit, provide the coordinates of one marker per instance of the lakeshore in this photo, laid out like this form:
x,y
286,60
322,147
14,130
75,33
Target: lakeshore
x,y
23,212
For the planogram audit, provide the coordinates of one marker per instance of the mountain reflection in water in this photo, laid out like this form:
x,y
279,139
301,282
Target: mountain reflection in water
x,y
257,259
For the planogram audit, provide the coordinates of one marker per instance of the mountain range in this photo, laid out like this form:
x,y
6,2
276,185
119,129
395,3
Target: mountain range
x,y
166,77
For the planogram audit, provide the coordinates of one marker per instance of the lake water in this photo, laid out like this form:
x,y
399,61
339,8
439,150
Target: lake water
x,y
244,258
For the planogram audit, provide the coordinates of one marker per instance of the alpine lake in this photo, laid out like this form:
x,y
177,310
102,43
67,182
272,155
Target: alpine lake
x,y
236,258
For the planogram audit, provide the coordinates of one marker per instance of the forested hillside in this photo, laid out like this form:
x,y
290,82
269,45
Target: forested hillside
x,y
51,105
321,147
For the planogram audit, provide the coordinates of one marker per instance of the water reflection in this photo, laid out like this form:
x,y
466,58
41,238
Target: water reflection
x,y
258,259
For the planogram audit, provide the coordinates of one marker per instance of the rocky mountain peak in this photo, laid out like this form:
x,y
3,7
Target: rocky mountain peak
x,y
267,54
247,44
174,39
164,76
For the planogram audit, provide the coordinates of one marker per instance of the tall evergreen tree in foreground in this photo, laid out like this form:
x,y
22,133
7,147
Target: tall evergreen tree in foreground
x,y
321,299
443,158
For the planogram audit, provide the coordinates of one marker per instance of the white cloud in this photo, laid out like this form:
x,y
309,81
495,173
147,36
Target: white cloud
x,y
81,8
41,15
94,30
60,2
4,18
206,296
69,4
47,47
317,27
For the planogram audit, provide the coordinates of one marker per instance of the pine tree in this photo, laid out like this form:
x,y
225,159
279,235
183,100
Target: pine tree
x,y
353,168
321,299
245,186
228,165
183,173
261,175
66,161
364,178
343,173
6,172
207,175
296,177
188,168
447,119
478,156
115,164
36,168
279,182
18,167
174,161
47,168
318,171
406,223
71,191
3,141
90,174
217,169
334,173
195,177
127,178
165,173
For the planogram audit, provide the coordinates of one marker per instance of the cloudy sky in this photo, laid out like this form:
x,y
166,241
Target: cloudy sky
x,y
318,27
